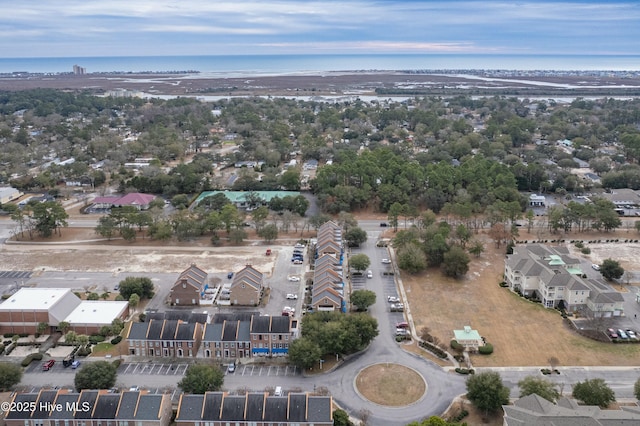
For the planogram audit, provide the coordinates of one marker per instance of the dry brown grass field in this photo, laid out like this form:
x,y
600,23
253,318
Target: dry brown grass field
x,y
522,333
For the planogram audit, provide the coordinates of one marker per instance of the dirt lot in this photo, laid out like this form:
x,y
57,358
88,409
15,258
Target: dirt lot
x,y
141,255
523,333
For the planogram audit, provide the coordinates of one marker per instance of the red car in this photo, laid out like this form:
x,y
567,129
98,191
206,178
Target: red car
x,y
612,333
48,365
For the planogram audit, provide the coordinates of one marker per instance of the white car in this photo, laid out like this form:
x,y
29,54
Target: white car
x,y
369,274
595,267
293,278
393,299
292,296
386,261
297,262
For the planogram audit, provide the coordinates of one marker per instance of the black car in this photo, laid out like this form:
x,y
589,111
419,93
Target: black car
x,y
230,275
384,224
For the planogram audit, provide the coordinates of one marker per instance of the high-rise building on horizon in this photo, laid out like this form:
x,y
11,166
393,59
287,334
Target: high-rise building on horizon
x,y
78,70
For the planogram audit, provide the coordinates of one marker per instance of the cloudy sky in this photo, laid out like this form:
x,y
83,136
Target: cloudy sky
x,y
69,28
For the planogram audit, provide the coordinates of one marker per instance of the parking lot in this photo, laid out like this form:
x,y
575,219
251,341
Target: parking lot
x,y
165,369
266,370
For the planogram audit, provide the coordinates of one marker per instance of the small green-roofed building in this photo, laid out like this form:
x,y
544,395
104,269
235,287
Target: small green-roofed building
x,y
248,199
554,259
468,338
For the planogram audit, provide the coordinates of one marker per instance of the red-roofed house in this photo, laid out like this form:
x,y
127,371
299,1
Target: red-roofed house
x,y
135,199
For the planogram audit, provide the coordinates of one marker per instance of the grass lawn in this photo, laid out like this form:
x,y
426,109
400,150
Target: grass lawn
x,y
522,333
390,384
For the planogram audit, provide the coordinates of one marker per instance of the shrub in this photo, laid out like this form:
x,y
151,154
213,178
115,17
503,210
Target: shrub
x,y
504,284
84,351
23,335
434,349
465,371
545,371
96,338
460,416
586,250
116,340
116,362
29,358
487,349
455,345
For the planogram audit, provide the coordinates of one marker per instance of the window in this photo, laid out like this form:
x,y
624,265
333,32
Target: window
x,y
226,345
259,336
286,337
233,345
190,344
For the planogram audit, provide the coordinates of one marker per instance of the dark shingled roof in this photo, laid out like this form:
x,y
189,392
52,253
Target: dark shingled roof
x,y
212,333
213,402
22,398
149,407
230,331
185,332
275,409
46,398
260,324
297,407
190,407
106,406
169,330
184,316
280,324
128,405
138,331
233,407
155,330
319,409
86,396
236,316
255,406
64,399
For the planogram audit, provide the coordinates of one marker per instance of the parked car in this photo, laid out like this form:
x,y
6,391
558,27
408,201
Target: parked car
x,y
403,324
297,262
622,334
291,296
116,287
383,224
232,367
386,261
293,278
595,267
401,331
396,307
369,274
393,299
48,365
612,333
230,275
631,334
299,246
75,364
268,252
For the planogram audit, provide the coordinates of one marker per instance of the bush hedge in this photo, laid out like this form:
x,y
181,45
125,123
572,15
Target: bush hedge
x,y
31,357
96,338
433,349
487,349
116,362
455,345
84,351
465,371
460,416
116,340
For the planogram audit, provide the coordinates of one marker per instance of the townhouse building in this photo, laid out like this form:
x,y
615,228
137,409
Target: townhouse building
x,y
246,287
58,407
252,409
164,338
557,279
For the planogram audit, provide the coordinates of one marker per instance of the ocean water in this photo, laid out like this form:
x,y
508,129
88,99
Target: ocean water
x,y
288,64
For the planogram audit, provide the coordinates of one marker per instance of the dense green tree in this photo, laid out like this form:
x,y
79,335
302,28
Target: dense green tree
x,y
359,262
487,392
268,232
411,258
456,262
134,300
142,286
200,378
541,387
10,375
611,269
304,352
95,375
106,227
355,236
435,421
362,299
594,392
341,418
49,217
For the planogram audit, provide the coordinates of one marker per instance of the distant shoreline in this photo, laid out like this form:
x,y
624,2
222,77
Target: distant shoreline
x,y
341,83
